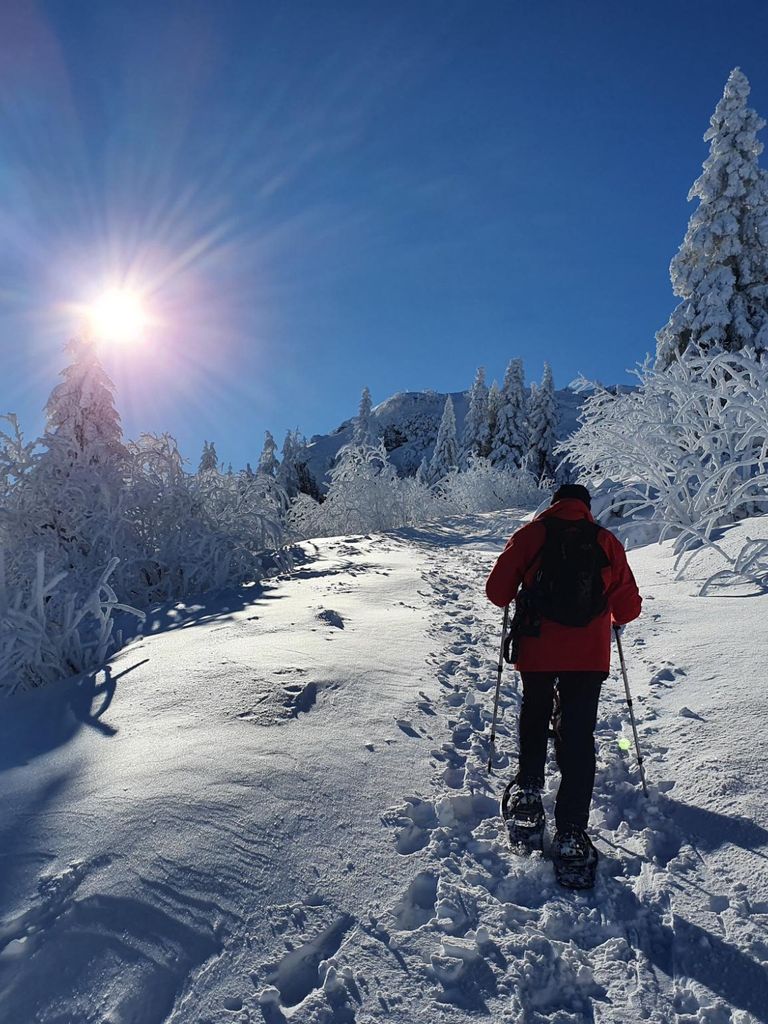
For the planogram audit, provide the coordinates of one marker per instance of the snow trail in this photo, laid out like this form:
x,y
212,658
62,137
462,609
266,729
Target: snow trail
x,y
284,814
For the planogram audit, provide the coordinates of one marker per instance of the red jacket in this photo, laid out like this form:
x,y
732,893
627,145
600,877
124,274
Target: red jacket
x,y
565,648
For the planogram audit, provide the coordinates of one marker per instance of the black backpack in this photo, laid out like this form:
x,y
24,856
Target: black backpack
x,y
568,586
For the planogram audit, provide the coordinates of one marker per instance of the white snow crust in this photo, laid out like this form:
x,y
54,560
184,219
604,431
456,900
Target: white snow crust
x,y
275,808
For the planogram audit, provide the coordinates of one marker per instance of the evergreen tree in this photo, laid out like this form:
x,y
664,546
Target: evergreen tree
x,y
721,269
476,436
494,405
543,426
511,441
268,464
363,426
287,474
209,461
81,410
445,457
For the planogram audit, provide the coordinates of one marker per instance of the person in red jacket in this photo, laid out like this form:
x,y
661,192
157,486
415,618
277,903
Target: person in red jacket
x,y
564,666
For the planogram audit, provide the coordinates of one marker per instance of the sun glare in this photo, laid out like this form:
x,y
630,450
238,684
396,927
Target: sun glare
x,y
117,316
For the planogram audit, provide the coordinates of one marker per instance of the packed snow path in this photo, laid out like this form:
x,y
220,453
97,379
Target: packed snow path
x,y
283,813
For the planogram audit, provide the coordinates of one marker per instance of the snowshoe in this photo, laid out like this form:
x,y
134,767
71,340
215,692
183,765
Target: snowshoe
x,y
523,815
574,859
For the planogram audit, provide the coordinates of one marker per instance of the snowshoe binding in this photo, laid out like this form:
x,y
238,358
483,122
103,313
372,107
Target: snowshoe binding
x,y
523,815
574,859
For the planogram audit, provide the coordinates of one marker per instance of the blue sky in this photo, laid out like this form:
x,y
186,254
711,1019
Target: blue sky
x,y
318,196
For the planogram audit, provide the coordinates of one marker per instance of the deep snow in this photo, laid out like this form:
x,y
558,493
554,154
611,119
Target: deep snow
x,y
276,808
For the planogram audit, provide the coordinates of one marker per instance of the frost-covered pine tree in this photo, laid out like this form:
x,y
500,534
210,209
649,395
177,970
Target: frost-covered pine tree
x,y
209,461
363,425
476,436
445,456
511,442
494,404
268,464
542,421
287,474
721,269
81,409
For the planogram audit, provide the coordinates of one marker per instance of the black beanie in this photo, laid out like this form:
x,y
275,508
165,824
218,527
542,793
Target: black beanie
x,y
576,491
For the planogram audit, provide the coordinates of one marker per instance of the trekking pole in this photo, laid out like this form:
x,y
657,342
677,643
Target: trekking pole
x,y
498,687
629,704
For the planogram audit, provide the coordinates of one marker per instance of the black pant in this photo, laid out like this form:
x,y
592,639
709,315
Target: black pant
x,y
575,704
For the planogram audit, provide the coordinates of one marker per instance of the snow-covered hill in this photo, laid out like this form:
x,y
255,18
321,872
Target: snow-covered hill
x,y
276,808
408,423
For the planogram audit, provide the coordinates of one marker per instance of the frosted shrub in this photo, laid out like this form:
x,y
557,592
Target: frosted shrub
x,y
47,630
482,487
689,448
82,536
367,495
193,533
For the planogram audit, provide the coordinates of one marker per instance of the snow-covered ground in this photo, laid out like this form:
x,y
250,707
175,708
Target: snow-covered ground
x,y
276,808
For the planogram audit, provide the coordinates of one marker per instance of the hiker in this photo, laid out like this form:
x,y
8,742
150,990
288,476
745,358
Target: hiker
x,y
571,583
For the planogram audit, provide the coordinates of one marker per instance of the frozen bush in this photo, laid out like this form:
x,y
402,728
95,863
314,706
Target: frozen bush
x,y
366,494
689,448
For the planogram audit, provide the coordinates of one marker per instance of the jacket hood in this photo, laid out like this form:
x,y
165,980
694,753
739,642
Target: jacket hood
x,y
568,508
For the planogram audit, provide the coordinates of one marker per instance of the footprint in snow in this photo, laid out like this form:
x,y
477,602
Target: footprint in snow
x,y
685,712
332,618
407,728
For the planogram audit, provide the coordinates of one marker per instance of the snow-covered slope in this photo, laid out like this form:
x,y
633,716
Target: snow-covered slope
x,y
276,808
408,423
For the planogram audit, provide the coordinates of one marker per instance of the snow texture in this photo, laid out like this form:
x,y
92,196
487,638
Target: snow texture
x,y
255,815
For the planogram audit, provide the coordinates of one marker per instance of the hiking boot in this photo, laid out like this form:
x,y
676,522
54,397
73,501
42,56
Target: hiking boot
x,y
523,813
574,858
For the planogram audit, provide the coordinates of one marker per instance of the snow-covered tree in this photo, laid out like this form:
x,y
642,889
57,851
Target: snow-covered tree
x,y
721,269
476,436
445,456
363,425
209,461
542,419
494,405
688,448
81,411
511,441
268,464
287,474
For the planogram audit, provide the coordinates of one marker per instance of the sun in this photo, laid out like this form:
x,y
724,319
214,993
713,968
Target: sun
x,y
117,316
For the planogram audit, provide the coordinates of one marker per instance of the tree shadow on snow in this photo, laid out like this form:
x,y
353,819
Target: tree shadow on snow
x,y
712,830
222,605
684,949
40,721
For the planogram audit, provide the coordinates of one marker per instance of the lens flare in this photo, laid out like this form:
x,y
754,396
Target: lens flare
x,y
117,316
624,743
